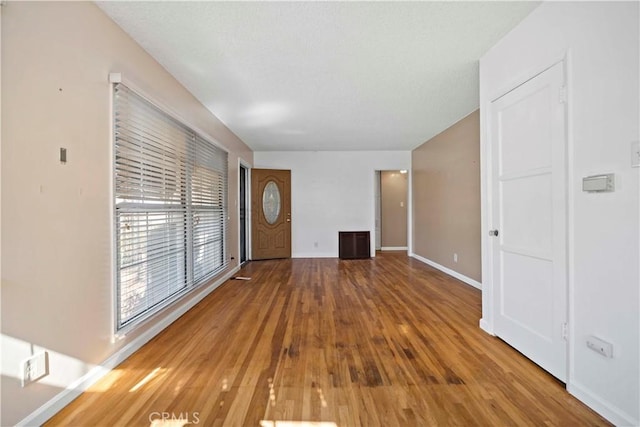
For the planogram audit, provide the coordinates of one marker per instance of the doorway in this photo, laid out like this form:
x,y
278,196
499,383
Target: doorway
x,y
391,215
529,219
270,214
243,203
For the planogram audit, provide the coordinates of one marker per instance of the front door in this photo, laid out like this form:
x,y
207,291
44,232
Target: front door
x,y
270,214
529,214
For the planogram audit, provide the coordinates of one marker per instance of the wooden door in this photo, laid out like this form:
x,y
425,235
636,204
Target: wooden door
x,y
270,214
529,216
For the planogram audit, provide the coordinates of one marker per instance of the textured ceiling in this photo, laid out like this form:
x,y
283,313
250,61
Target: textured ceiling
x,y
325,75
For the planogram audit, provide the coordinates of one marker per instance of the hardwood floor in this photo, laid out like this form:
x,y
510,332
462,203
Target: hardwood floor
x,y
381,342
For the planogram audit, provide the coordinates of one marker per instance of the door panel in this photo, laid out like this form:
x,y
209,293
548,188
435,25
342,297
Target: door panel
x,y
526,304
528,181
270,214
527,198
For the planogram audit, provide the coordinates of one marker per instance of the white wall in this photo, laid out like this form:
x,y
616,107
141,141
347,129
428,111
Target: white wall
x,y
602,45
331,191
1,357
57,285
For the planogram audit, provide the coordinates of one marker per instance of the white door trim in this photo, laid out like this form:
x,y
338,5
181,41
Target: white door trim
x,y
529,185
247,166
486,197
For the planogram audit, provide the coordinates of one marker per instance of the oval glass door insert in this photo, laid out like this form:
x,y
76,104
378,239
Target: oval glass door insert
x,y
271,202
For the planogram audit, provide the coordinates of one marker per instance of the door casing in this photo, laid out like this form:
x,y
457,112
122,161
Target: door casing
x,y
487,96
245,170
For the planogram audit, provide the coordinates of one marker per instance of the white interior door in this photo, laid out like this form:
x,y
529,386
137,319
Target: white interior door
x,y
529,216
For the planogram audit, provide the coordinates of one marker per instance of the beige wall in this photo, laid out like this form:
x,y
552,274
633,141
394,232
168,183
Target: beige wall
x,y
56,219
446,198
393,208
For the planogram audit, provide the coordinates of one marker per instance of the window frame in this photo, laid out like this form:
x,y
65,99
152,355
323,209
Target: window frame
x,y
122,327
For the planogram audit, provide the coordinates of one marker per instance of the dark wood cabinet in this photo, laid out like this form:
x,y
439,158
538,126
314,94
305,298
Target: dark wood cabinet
x,y
354,244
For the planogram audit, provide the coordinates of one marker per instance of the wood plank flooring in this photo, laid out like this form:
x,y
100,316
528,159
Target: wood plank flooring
x,y
381,342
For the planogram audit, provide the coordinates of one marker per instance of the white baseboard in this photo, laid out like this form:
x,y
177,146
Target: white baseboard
x,y
484,325
461,277
315,255
76,388
612,413
393,248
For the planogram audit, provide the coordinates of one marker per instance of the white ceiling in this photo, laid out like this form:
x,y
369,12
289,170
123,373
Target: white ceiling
x,y
325,75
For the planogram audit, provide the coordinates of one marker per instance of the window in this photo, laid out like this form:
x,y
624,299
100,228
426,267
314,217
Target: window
x,y
170,207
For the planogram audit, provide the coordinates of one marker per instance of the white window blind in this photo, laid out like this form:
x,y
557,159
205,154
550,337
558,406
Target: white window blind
x,y
170,207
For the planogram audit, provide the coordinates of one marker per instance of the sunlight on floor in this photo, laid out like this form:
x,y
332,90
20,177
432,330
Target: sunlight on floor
x,y
265,423
148,378
169,423
107,381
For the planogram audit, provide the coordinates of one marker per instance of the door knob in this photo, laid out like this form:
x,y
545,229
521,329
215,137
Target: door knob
x,y
493,233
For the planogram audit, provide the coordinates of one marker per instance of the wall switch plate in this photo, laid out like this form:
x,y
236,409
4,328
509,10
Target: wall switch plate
x,y
635,154
34,368
600,346
455,257
599,183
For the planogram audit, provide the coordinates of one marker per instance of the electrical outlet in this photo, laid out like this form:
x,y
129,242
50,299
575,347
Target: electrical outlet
x,y
599,346
315,244
34,368
455,257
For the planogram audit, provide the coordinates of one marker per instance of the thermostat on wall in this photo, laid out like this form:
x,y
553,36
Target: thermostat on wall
x,y
598,183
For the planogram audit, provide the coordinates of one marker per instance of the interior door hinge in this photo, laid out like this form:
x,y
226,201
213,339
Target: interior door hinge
x,y
562,95
565,331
